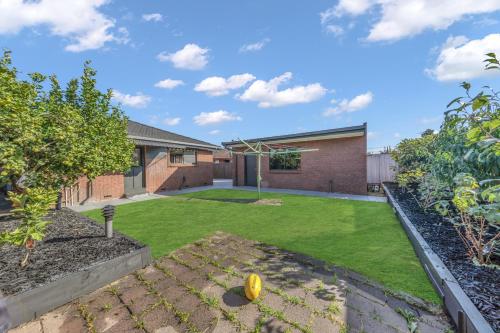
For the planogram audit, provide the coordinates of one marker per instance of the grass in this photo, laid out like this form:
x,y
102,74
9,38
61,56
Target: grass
x,y
362,236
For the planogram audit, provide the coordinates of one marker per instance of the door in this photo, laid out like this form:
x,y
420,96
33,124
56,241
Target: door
x,y
134,178
250,170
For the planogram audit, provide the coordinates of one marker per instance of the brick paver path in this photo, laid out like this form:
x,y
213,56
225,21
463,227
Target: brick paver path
x,y
199,289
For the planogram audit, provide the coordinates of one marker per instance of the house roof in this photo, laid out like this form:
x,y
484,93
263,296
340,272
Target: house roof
x,y
333,133
152,136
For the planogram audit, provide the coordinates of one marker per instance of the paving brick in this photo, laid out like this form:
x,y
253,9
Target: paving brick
x,y
106,320
324,325
187,302
204,318
31,327
298,314
63,319
158,318
274,301
362,310
249,315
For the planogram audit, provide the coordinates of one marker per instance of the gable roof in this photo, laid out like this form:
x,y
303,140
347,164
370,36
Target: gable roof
x,y
333,133
152,136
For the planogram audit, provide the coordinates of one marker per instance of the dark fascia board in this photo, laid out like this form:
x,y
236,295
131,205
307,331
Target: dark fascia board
x,y
143,141
140,131
342,130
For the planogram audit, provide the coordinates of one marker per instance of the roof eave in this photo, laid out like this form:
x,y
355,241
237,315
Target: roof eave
x,y
353,131
173,142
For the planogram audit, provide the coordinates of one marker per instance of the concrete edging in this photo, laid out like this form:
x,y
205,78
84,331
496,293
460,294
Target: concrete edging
x,y
463,312
33,303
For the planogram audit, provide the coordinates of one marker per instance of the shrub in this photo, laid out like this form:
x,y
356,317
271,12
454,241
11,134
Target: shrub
x,y
458,169
30,206
413,158
49,137
478,216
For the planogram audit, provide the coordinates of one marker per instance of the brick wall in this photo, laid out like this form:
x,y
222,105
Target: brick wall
x,y
103,188
338,166
160,176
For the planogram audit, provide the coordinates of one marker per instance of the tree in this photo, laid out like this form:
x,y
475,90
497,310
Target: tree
x,y
413,157
48,139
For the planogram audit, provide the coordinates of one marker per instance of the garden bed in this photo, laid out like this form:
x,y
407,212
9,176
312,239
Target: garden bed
x,y
75,257
481,284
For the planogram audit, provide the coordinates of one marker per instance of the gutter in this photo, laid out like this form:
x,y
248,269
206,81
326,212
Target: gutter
x,y
211,147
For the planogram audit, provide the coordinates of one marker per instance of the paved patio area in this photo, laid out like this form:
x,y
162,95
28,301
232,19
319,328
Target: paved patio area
x,y
198,288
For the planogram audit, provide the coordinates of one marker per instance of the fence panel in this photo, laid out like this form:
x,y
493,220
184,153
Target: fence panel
x,y
223,170
381,168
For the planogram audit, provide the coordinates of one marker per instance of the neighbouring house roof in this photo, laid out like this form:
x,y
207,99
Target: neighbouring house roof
x,y
333,133
152,136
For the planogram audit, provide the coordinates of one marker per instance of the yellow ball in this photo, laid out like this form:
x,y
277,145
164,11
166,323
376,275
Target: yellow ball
x,y
253,286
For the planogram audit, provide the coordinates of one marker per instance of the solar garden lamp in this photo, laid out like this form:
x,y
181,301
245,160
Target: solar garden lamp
x,y
108,211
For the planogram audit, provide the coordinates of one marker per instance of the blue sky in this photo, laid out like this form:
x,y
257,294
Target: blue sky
x,y
219,70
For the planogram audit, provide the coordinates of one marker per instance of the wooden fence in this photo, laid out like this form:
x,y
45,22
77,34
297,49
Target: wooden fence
x,y
381,168
223,170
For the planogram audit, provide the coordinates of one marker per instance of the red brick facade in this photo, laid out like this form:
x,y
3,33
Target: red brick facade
x,y
338,166
160,175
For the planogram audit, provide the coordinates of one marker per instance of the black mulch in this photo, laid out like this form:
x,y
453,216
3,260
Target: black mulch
x,y
481,284
73,242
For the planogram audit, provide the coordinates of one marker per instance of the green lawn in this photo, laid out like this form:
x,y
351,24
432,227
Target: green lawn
x,y
362,236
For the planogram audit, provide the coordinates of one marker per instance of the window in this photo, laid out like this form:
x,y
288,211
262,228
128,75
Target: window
x,y
182,156
284,161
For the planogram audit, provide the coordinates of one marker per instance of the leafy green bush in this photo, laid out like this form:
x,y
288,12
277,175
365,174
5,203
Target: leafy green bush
x,y
31,206
458,169
49,137
478,218
413,158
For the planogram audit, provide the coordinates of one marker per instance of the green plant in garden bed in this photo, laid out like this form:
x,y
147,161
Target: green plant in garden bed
x,y
362,236
49,137
461,179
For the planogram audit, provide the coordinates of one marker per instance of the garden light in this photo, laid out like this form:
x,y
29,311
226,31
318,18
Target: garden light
x,y
108,211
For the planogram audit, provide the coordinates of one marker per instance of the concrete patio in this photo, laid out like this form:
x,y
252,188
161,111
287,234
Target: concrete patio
x,y
198,288
223,184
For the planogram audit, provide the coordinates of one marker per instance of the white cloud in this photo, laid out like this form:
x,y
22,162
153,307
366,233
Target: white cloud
x,y
372,135
216,117
266,93
334,29
171,121
218,86
214,132
462,59
80,21
357,103
191,57
169,84
397,135
155,17
254,46
134,101
405,18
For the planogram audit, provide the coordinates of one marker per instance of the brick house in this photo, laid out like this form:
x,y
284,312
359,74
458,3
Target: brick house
x,y
339,164
163,161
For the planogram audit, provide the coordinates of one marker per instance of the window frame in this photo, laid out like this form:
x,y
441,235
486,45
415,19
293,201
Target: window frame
x,y
294,170
181,152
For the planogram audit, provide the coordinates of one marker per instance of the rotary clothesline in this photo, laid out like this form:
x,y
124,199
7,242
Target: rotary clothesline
x,y
257,150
